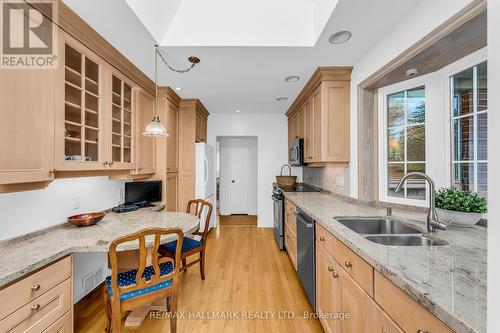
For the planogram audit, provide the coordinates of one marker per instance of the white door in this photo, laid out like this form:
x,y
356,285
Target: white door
x,y
239,176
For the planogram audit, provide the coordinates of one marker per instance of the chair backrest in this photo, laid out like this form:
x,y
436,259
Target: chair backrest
x,y
150,233
197,207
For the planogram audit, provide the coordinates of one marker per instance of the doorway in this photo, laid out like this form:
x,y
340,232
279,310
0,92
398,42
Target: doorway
x,y
237,179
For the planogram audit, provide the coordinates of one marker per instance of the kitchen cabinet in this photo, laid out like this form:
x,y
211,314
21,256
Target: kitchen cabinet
x,y
27,126
172,186
81,112
379,322
172,126
193,118
320,115
146,146
291,232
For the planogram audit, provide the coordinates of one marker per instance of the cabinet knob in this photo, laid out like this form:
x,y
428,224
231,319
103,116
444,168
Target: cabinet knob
x,y
348,264
111,163
330,268
35,307
322,239
335,275
52,171
36,287
421,331
105,163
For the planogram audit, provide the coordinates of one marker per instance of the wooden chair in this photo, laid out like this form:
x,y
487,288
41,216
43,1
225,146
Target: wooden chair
x,y
192,246
124,291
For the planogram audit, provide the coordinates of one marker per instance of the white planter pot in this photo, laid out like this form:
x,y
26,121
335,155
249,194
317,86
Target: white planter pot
x,y
459,219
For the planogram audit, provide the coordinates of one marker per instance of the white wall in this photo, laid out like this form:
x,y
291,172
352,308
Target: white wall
x,y
25,212
494,164
425,16
225,169
272,133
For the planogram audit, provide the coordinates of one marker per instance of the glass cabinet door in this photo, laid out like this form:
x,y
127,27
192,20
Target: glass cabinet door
x,y
82,108
122,121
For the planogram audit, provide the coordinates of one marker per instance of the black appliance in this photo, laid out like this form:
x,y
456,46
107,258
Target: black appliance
x,y
306,261
142,194
279,209
296,153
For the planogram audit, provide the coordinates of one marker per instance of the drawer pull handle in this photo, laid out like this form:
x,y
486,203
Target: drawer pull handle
x,y
322,239
35,307
421,331
335,275
348,264
36,287
330,268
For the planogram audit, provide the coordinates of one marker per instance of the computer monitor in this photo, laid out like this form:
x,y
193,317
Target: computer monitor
x,y
142,192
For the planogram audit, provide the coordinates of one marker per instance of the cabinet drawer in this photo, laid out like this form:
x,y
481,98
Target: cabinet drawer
x,y
33,286
291,246
326,239
356,267
62,325
290,218
406,312
40,313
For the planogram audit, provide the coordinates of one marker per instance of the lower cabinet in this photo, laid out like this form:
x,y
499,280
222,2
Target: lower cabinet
x,y
291,232
327,290
379,322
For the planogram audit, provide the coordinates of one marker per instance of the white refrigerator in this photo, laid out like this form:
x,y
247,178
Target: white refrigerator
x,y
205,179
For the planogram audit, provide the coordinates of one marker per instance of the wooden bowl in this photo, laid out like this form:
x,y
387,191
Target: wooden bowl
x,y
84,220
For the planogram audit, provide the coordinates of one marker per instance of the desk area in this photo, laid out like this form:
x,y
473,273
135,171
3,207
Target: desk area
x,y
28,261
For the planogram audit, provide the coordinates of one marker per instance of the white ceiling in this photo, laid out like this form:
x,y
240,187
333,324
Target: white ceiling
x,y
246,78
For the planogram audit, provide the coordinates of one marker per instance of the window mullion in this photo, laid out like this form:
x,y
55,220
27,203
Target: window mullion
x,y
475,124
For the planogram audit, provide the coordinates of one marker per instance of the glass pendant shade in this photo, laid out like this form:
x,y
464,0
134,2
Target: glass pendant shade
x,y
155,128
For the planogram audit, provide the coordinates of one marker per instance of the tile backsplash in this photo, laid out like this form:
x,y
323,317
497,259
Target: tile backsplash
x,y
333,179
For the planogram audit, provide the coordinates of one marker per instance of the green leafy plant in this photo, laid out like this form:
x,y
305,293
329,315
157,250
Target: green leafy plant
x,y
460,201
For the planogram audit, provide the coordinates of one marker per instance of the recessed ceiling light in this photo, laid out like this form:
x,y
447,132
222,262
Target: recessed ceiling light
x,y
237,111
282,99
340,37
412,72
178,88
293,78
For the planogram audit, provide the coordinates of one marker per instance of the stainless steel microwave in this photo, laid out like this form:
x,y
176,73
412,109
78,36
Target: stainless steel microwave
x,y
296,153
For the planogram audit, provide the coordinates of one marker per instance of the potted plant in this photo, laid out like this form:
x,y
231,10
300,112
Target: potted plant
x,y
459,208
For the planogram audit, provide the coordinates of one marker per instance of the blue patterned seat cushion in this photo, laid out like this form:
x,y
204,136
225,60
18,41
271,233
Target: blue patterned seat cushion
x,y
187,245
128,278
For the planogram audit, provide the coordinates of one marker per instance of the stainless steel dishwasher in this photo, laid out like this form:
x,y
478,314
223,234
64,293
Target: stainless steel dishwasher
x,y
306,260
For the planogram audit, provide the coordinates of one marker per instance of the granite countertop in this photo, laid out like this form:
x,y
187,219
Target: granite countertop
x,y
449,281
23,255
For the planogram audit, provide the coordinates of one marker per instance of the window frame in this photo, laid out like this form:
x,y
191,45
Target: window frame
x,y
471,61
383,93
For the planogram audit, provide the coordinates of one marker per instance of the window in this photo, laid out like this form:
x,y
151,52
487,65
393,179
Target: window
x,y
469,104
406,142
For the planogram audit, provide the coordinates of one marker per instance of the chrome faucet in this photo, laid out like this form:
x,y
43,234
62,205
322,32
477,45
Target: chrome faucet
x,y
433,222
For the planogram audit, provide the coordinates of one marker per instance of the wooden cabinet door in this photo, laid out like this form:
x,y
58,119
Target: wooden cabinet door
x,y
379,322
122,122
81,112
300,122
146,146
201,128
172,185
353,301
316,126
308,131
26,125
173,138
327,290
336,121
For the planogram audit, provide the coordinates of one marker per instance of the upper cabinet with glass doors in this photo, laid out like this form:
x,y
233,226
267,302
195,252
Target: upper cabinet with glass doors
x,y
95,123
80,120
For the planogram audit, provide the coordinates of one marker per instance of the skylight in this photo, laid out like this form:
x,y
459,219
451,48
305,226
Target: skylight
x,y
234,22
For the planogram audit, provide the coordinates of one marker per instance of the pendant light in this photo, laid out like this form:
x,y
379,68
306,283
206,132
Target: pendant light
x,y
155,128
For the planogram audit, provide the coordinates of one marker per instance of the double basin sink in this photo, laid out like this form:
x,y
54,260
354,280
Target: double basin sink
x,y
388,231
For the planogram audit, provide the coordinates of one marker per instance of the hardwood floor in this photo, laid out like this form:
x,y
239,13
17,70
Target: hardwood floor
x,y
237,219
245,273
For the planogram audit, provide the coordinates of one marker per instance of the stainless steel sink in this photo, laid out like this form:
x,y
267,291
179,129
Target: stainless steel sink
x,y
405,240
376,226
388,231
